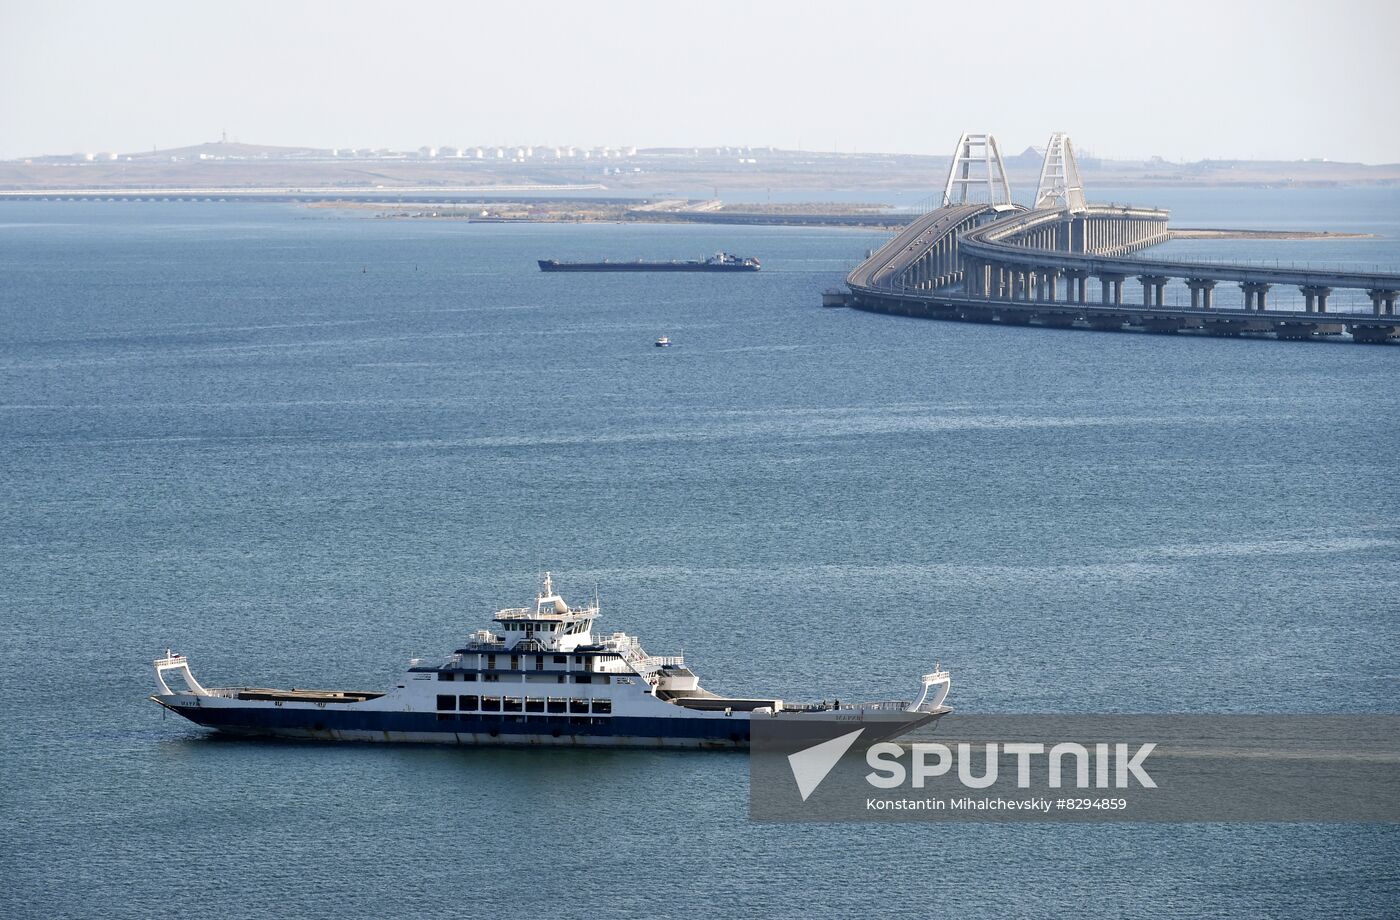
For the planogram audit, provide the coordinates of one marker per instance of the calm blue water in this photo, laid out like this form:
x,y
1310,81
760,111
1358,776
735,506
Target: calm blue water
x,y
302,448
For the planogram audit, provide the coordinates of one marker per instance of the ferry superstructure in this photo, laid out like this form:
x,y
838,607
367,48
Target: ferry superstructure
x,y
539,676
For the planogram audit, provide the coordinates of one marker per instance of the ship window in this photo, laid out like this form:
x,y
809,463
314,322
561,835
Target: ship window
x,y
446,701
563,677
534,705
469,676
490,661
604,679
603,707
558,705
539,662
490,704
512,704
491,677
578,706
515,662
583,678
561,659
445,675
578,659
466,703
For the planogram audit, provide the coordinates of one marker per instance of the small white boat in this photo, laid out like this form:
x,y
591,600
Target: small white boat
x,y
663,342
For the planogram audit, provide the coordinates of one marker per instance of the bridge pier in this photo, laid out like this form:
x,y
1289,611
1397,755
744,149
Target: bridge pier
x,y
1112,283
1255,292
1076,285
1315,298
1382,302
1202,293
1154,289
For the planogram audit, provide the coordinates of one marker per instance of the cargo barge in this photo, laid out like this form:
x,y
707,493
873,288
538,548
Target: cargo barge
x,y
719,262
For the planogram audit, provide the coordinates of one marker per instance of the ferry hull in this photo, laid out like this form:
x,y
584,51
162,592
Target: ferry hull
x,y
724,733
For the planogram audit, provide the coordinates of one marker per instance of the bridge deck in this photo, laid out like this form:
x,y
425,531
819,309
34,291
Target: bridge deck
x,y
911,243
974,244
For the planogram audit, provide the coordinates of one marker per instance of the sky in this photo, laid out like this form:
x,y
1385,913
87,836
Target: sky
x,y
1184,80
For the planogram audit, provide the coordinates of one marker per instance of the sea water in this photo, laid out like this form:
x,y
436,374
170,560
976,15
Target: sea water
x,y
301,446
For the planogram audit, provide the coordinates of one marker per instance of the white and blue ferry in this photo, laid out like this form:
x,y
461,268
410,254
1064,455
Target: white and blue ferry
x,y
539,676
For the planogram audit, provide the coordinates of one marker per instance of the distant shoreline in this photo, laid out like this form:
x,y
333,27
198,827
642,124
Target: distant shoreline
x,y
791,215
513,204
1201,233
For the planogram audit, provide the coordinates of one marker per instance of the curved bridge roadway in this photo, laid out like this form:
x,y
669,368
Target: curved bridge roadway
x,y
998,244
1013,266
938,227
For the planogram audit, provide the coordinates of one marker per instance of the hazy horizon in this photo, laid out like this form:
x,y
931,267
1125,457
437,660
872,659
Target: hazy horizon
x,y
1247,81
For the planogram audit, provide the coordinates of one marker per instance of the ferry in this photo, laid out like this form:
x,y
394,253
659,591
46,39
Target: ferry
x,y
540,675
663,342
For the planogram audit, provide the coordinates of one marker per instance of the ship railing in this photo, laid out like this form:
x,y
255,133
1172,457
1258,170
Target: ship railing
x,y
807,707
472,645
885,705
649,664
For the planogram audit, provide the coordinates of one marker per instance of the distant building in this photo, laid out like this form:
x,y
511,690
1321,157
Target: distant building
x,y
427,152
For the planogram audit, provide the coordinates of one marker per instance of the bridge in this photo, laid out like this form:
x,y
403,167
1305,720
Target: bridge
x,y
404,194
993,261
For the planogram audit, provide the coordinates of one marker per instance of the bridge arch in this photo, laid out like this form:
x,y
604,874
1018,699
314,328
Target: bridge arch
x,y
977,162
